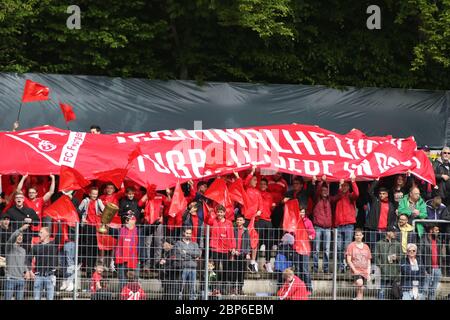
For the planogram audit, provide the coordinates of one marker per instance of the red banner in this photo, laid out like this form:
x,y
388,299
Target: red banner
x,y
165,157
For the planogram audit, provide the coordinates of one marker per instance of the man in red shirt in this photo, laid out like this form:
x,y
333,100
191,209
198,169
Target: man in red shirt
x,y
263,223
222,245
430,248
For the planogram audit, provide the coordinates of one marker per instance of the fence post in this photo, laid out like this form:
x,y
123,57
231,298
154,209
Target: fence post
x,y
206,263
335,264
75,285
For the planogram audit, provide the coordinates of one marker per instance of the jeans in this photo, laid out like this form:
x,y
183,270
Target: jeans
x,y
189,280
69,261
344,238
431,283
14,286
325,235
301,265
45,282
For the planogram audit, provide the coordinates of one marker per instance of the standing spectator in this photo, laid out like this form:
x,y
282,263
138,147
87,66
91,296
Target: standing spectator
x,y
90,209
285,256
388,255
188,253
222,244
381,215
293,288
301,260
435,208
442,170
95,129
45,253
130,203
20,214
240,255
430,253
278,187
446,241
407,233
413,275
68,257
5,234
322,220
263,225
127,250
414,207
400,187
358,259
345,216
169,271
298,192
34,201
191,221
132,290
16,267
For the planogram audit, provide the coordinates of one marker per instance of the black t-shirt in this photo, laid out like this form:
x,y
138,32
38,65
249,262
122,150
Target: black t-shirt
x,y
46,257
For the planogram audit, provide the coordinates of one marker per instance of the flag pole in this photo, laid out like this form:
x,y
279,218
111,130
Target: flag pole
x,y
20,109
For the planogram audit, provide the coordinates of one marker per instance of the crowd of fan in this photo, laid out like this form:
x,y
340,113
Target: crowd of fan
x,y
382,212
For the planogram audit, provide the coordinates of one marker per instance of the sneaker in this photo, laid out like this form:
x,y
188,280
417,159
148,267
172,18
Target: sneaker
x,y
69,287
256,267
251,267
112,266
63,286
268,267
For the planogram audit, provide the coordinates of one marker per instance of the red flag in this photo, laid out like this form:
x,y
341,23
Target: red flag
x,y
134,154
291,214
151,191
62,209
67,111
254,237
302,244
71,179
179,203
34,92
238,193
106,242
218,192
116,176
152,210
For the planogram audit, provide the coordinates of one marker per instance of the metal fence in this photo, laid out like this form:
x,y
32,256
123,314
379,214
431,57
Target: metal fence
x,y
64,262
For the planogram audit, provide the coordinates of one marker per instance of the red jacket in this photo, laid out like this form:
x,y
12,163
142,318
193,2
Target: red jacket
x,y
222,235
267,208
322,216
254,199
346,206
277,188
294,290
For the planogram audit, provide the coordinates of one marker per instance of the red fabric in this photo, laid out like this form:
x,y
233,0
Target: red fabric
x,y
42,150
134,154
238,194
127,248
255,202
67,111
194,228
96,278
132,292
116,176
254,236
34,91
152,209
434,254
384,212
92,218
302,244
177,206
218,192
71,179
277,188
63,210
222,235
295,290
114,198
345,212
267,208
106,242
36,204
291,214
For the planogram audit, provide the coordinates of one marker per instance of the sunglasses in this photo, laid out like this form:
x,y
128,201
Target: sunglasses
x,y
446,152
411,250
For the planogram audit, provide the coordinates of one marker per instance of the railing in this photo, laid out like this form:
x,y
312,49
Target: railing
x,y
89,265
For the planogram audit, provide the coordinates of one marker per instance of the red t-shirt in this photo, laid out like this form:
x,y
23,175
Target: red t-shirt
x,y
37,205
267,201
384,211
92,218
434,254
277,189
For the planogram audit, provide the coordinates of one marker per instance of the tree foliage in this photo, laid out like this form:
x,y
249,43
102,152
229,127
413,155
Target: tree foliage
x,y
279,41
